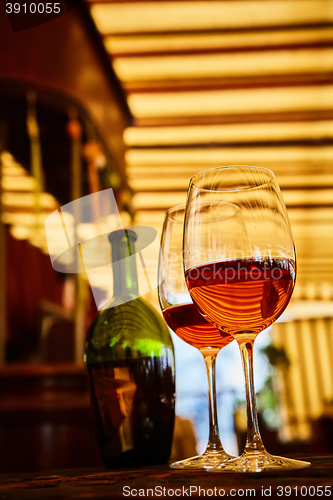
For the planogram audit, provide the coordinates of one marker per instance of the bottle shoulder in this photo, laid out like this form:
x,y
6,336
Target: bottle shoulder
x,y
137,307
134,326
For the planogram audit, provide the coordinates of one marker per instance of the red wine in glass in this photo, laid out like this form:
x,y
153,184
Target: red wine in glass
x,y
185,320
239,259
239,293
190,326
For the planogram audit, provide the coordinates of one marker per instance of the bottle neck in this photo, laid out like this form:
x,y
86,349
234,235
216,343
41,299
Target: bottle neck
x,y
125,277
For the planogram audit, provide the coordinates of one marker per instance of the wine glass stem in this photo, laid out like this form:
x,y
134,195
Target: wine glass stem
x,y
253,440
214,442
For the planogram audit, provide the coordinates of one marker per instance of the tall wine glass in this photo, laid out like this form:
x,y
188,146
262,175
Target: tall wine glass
x,y
241,292
183,318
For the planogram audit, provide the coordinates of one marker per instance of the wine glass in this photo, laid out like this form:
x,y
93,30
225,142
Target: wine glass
x,y
183,318
241,292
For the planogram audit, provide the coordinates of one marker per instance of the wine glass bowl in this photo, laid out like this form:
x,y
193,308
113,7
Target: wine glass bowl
x,y
248,279
257,290
185,320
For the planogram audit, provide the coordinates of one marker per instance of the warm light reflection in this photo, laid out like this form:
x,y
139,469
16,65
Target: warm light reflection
x,y
308,197
204,41
131,69
239,132
317,197
22,208
282,169
28,200
12,169
24,218
20,232
170,182
16,183
158,200
213,157
315,215
145,17
224,102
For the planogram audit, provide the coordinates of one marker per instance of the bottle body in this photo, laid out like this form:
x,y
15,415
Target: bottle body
x,y
130,361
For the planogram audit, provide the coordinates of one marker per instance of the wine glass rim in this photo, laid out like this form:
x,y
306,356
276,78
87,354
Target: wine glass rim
x,y
177,208
192,182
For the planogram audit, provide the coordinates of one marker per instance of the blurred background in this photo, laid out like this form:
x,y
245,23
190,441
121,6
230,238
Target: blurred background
x,y
138,96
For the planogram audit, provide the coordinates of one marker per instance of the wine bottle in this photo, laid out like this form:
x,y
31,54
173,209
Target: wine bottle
x,y
130,360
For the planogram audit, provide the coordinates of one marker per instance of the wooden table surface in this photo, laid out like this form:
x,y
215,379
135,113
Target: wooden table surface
x,y
163,482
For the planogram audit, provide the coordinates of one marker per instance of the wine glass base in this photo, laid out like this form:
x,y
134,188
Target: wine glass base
x,y
260,462
206,461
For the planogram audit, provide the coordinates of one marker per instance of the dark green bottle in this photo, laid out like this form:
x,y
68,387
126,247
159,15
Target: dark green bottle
x,y
130,360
